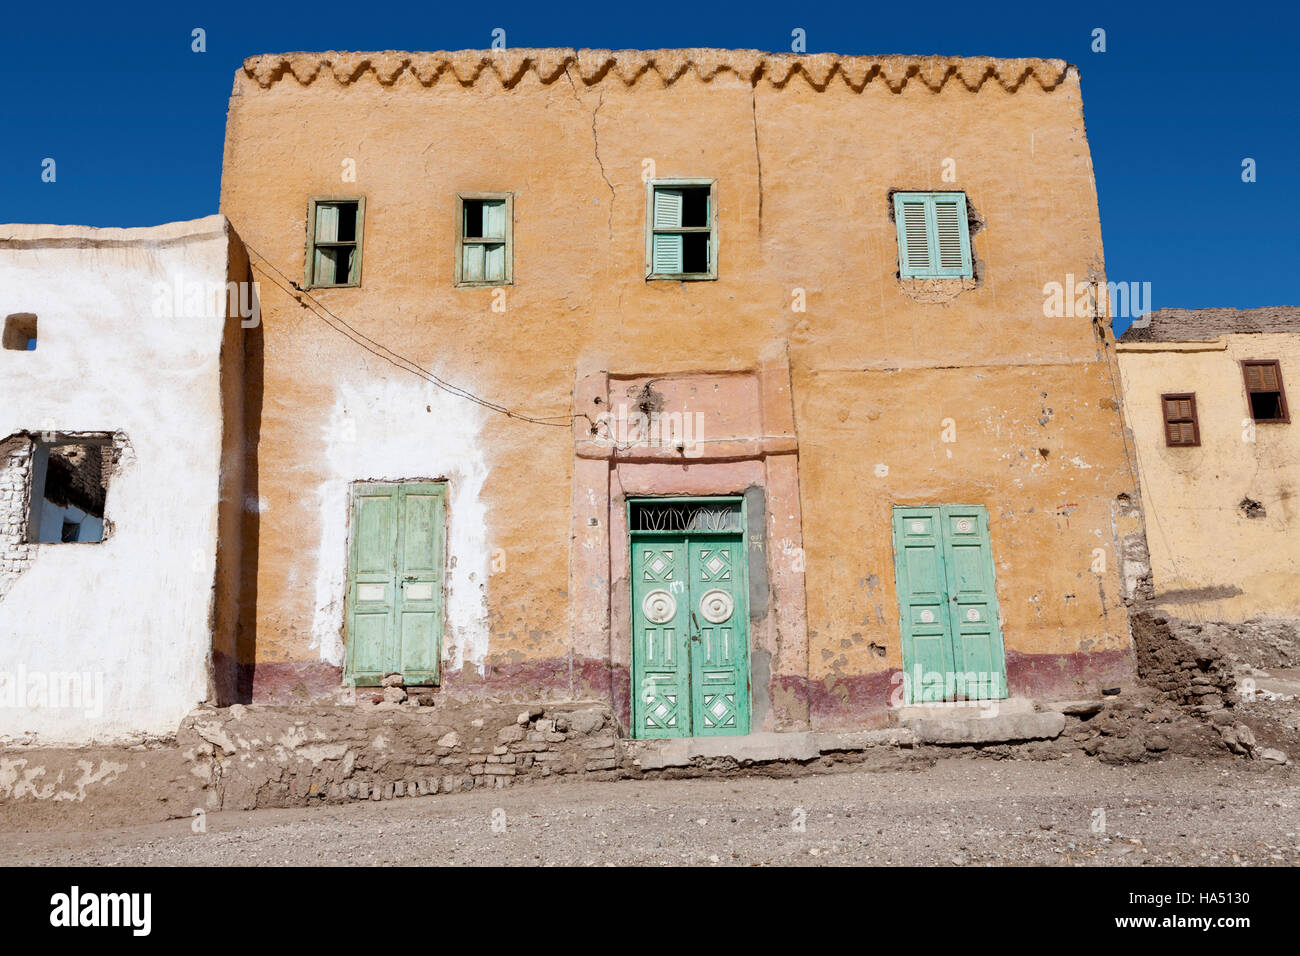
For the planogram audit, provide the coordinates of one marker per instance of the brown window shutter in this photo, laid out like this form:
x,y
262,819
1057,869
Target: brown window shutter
x,y
1263,377
1181,426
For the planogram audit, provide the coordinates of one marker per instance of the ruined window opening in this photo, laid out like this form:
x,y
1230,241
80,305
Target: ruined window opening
x,y
20,332
1182,428
933,236
682,229
68,492
484,239
334,231
650,515
1264,391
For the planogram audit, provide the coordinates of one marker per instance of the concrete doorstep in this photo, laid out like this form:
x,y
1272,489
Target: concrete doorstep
x,y
990,722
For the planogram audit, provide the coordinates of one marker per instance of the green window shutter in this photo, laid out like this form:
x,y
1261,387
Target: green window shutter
x,y
668,208
494,220
472,268
327,230
913,237
933,235
494,262
667,256
952,235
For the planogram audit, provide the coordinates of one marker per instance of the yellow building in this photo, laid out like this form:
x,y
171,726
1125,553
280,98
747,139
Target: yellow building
x,y
1205,393
713,384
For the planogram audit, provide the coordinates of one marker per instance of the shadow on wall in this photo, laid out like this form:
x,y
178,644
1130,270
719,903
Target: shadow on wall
x,y
234,677
246,643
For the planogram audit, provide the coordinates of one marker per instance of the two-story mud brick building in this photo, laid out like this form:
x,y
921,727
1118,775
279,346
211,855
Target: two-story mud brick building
x,y
713,384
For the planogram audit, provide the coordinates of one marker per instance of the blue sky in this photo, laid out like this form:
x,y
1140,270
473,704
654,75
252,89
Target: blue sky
x,y
135,120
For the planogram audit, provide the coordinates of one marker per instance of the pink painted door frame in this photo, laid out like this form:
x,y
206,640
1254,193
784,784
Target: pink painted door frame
x,y
742,443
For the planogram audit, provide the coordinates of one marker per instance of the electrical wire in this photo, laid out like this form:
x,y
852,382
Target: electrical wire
x,y
313,305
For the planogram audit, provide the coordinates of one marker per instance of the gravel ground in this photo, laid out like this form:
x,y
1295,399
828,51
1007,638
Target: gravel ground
x,y
960,811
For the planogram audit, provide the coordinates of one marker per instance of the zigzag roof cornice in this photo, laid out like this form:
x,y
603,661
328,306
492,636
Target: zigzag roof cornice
x,y
819,70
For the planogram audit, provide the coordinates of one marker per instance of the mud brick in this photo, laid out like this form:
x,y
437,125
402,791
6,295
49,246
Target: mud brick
x,y
399,788
530,747
599,743
500,769
609,764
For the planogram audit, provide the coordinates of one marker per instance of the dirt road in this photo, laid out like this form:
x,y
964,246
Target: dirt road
x,y
958,812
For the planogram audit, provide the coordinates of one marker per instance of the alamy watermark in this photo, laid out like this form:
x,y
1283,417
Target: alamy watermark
x,y
1081,299
940,689
51,690
679,431
183,299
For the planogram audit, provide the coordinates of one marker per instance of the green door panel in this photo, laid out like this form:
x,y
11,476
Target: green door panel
x,y
372,582
719,645
660,660
972,595
419,584
394,597
923,603
690,634
948,611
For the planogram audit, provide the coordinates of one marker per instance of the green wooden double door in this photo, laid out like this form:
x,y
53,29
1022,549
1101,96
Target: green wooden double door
x,y
394,598
690,634
947,596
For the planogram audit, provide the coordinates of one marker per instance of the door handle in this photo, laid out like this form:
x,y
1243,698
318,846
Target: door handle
x,y
695,628
409,578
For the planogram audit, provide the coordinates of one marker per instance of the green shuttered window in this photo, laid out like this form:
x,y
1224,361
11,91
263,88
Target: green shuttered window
x,y
933,235
334,231
681,229
485,239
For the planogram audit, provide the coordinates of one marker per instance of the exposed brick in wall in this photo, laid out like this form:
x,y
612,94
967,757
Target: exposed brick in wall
x,y
289,756
15,482
1175,659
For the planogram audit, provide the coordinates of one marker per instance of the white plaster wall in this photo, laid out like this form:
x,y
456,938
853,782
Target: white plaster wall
x,y
132,612
379,430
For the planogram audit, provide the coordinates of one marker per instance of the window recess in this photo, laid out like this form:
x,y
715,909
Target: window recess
x,y
681,229
1182,429
484,239
334,231
1264,391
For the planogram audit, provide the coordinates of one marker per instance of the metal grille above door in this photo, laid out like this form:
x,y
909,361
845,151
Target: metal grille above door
x,y
685,516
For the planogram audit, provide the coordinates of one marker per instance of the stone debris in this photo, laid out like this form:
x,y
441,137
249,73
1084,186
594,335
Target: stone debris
x,y
280,759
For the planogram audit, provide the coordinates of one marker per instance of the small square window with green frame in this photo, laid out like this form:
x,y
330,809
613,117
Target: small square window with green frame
x,y
933,236
334,232
485,239
681,230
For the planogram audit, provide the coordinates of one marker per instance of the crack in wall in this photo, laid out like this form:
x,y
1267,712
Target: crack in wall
x,y
595,140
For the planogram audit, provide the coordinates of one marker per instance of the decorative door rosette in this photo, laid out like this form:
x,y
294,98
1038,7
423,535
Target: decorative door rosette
x,y
659,606
717,605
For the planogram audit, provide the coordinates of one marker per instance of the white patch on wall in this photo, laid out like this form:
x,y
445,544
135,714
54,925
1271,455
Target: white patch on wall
x,y
381,431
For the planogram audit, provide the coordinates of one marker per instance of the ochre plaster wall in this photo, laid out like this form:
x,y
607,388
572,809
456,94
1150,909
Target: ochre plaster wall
x,y
804,180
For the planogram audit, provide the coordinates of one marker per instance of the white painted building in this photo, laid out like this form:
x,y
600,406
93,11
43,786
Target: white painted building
x,y
121,382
